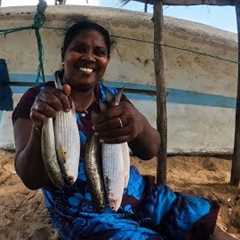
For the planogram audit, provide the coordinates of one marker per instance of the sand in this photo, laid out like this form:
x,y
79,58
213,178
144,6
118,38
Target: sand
x,y
23,216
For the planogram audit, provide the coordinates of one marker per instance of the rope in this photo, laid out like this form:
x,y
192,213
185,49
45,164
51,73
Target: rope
x,y
38,22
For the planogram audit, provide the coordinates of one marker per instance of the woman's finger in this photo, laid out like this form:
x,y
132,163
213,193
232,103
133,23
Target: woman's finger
x,y
109,114
37,117
117,122
44,108
116,133
55,98
67,89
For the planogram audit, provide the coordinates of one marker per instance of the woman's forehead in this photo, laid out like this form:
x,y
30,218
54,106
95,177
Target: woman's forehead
x,y
89,35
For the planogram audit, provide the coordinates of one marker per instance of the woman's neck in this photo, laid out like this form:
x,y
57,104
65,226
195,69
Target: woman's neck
x,y
82,99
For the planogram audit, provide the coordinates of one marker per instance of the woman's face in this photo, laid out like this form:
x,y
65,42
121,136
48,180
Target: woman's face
x,y
85,60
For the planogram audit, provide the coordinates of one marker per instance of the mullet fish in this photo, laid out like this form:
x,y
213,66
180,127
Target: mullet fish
x,y
115,164
93,168
60,143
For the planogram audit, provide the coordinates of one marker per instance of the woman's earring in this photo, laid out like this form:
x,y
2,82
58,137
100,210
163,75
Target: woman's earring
x,y
63,64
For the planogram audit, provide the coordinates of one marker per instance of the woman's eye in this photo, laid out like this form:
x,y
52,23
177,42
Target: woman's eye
x,y
101,52
80,49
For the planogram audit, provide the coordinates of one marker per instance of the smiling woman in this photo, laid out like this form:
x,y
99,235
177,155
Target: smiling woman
x,y
147,211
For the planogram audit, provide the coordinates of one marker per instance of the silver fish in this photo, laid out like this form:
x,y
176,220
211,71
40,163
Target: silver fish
x,y
93,168
49,155
116,164
67,145
60,146
67,139
113,173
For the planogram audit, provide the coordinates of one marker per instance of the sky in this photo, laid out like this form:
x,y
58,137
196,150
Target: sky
x,y
220,17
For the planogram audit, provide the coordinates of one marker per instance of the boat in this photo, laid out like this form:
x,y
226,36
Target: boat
x,y
200,70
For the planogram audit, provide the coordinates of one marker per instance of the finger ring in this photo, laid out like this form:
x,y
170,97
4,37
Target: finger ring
x,y
121,123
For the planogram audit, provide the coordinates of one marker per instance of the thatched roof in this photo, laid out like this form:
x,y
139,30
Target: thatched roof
x,y
190,2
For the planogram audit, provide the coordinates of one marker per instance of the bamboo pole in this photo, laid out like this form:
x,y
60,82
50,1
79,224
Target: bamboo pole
x,y
235,172
161,92
194,2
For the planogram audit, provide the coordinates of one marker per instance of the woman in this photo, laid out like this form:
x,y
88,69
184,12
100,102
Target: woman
x,y
147,211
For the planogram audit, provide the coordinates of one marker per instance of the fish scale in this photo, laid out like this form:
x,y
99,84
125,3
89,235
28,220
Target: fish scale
x,y
67,144
113,173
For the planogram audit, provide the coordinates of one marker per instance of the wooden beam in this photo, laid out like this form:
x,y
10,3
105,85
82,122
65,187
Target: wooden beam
x,y
161,92
193,2
235,172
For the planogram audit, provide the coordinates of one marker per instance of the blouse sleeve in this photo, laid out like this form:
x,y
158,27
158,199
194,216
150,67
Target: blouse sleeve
x,y
23,108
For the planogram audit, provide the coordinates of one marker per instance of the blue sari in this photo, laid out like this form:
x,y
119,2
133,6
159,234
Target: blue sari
x,y
147,211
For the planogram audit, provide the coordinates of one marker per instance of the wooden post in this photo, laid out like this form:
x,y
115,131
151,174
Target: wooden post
x,y
235,172
161,92
145,6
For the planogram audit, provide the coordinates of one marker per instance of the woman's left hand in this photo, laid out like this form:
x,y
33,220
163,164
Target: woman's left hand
x,y
117,124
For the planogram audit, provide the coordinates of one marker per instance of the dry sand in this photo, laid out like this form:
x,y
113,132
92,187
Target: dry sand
x,y
22,213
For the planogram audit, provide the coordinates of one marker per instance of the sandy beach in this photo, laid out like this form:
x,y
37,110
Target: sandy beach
x,y
23,215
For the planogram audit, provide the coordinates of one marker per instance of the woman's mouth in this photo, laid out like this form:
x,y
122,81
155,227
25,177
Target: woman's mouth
x,y
86,70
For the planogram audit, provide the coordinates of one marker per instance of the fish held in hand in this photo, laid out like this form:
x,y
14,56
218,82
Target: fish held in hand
x,y
49,155
67,140
116,165
113,173
93,168
60,146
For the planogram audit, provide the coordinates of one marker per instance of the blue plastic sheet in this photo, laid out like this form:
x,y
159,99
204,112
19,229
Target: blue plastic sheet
x,y
6,100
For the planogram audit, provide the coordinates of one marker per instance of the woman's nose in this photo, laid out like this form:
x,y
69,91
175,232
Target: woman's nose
x,y
89,55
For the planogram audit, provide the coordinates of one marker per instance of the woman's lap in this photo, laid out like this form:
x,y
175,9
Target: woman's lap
x,y
161,214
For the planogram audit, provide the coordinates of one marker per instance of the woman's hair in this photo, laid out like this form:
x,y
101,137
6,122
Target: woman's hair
x,y
83,25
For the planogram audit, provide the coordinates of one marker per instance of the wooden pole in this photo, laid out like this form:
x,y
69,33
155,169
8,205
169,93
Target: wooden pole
x,y
161,92
235,172
145,6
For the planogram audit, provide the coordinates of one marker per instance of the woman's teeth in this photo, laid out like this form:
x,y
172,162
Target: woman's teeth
x,y
86,70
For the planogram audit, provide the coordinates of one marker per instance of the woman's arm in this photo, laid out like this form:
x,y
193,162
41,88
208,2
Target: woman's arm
x,y
28,162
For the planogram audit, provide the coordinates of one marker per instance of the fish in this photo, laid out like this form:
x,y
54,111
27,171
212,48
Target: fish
x,y
113,174
67,141
93,169
115,163
49,154
60,146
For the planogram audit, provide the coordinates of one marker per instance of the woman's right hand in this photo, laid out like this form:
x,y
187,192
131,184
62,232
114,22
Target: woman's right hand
x,y
48,102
